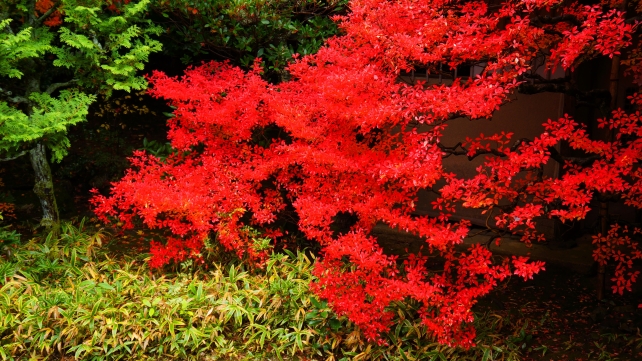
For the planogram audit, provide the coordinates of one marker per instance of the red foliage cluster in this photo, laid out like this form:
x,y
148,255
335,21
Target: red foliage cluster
x,y
343,137
55,19
115,5
7,210
618,246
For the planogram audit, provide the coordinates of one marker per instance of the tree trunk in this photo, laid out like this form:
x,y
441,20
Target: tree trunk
x,y
44,187
604,228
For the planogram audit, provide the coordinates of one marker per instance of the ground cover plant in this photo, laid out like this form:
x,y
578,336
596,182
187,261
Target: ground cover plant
x,y
345,136
72,295
565,320
64,295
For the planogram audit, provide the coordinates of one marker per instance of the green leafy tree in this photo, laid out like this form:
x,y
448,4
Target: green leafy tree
x,y
243,30
55,58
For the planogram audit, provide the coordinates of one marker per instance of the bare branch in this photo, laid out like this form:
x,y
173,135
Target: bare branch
x,y
527,88
548,20
6,93
16,99
538,79
55,86
459,149
583,161
12,158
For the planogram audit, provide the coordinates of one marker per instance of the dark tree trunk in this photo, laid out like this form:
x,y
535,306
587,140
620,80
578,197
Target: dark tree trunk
x,y
604,228
44,187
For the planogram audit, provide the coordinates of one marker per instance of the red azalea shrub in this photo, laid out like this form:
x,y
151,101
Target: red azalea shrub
x,y
342,137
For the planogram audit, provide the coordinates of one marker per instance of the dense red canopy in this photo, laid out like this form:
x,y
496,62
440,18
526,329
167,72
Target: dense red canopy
x,y
343,138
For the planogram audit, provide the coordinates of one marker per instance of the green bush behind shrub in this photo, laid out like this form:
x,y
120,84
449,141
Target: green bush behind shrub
x,y
8,237
65,295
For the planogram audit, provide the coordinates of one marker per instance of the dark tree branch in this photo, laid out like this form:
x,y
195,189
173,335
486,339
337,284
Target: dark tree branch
x,y
452,150
538,84
582,161
48,12
6,93
538,79
548,20
459,149
55,86
527,88
12,158
17,99
563,85
553,32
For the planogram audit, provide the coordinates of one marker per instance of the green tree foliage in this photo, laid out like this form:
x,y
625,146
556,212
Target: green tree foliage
x,y
55,57
243,30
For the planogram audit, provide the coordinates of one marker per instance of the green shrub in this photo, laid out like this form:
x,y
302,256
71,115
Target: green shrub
x,y
243,30
8,237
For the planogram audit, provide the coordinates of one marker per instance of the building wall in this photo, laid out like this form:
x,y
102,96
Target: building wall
x,y
523,116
